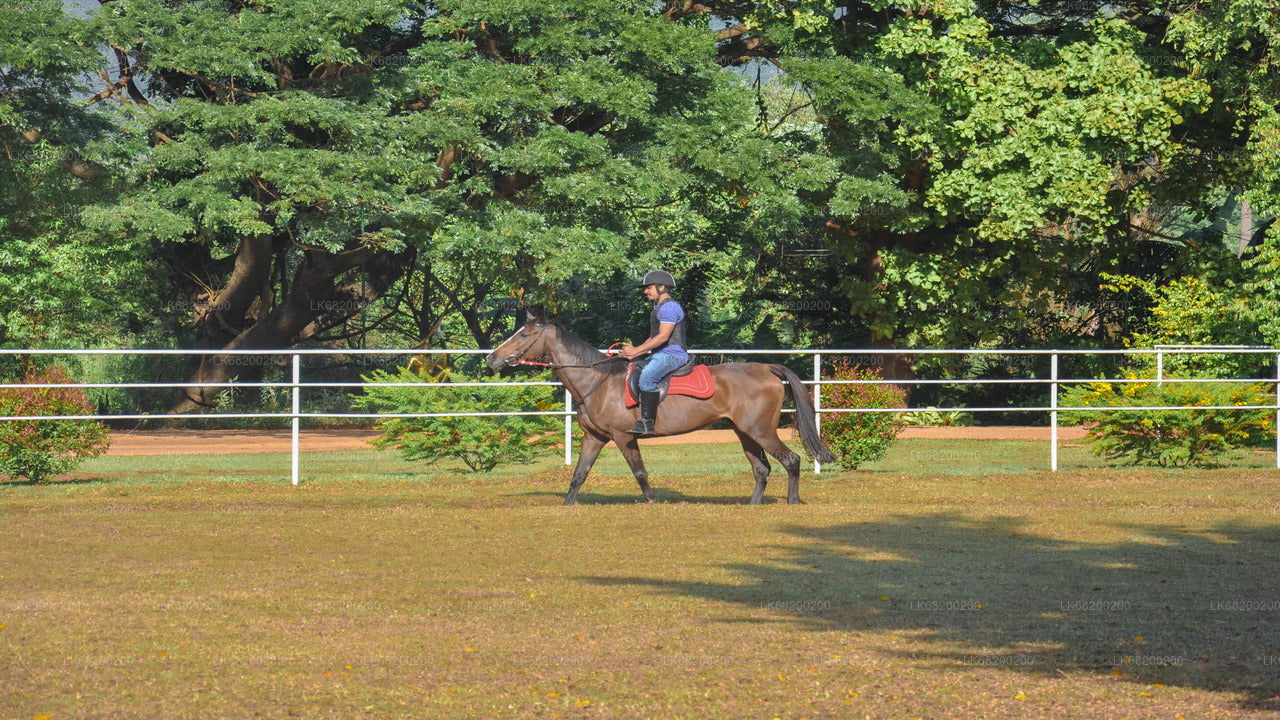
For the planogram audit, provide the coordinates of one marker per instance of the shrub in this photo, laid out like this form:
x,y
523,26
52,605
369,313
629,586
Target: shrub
x,y
858,438
40,449
482,443
1171,438
1188,311
933,417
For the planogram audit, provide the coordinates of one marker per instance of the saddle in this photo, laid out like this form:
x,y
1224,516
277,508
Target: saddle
x,y
689,379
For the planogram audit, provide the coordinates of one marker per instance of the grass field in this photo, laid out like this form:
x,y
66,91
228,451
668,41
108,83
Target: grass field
x,y
952,580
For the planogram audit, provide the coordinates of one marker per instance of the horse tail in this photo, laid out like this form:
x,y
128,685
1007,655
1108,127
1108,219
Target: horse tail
x,y
805,413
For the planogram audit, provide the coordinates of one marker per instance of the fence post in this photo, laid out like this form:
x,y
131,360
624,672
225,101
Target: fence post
x,y
568,426
297,405
1053,412
817,404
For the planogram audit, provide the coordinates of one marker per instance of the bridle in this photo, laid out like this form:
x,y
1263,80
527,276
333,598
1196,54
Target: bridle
x,y
518,358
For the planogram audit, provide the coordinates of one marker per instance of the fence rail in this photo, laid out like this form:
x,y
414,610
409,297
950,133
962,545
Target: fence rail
x,y
296,385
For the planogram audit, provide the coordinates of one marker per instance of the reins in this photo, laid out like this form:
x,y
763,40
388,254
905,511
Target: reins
x,y
560,366
520,360
556,366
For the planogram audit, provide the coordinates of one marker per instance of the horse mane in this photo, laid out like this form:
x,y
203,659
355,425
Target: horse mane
x,y
588,354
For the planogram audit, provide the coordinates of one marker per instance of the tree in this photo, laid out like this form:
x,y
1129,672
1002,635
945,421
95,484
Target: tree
x,y
1234,45
298,160
984,151
58,285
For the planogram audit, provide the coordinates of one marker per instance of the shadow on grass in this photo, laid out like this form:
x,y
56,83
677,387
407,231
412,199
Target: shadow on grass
x,y
1163,606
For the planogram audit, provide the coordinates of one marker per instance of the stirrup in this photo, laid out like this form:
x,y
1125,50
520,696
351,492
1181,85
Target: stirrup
x,y
642,427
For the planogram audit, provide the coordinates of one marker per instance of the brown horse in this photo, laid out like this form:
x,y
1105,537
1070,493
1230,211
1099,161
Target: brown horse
x,y
748,395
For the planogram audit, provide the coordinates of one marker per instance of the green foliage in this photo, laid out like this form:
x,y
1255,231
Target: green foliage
x,y
933,417
1188,311
1184,311
40,449
1171,438
965,165
860,437
1263,306
61,286
978,161
482,443
45,50
58,284
1233,44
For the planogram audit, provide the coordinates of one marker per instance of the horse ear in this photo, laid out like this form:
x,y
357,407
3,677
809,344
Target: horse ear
x,y
535,316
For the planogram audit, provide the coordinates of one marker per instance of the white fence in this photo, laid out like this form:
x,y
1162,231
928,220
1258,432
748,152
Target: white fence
x,y
297,386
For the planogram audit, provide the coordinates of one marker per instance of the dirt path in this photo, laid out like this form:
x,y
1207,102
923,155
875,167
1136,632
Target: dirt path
x,y
219,442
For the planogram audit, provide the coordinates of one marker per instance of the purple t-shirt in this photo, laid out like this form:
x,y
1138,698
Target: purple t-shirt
x,y
671,312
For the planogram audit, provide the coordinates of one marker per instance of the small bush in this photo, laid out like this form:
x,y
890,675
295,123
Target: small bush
x,y
933,417
482,443
858,438
40,449
1171,438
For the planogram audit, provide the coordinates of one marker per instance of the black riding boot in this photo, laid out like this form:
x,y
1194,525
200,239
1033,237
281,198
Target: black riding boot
x,y
648,414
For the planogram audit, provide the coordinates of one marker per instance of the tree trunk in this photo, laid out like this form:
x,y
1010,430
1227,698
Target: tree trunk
x,y
223,313
894,365
313,304
1246,227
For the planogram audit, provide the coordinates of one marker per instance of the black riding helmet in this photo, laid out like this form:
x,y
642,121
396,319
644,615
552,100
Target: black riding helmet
x,y
658,277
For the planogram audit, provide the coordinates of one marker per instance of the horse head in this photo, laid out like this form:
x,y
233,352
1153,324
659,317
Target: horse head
x,y
520,346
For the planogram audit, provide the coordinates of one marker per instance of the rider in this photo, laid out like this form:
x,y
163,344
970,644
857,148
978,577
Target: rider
x,y
667,341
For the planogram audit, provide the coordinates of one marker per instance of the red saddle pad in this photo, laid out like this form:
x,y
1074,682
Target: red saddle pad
x,y
696,384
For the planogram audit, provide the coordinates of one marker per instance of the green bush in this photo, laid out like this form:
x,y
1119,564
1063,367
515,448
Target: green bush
x,y
858,438
482,443
40,449
1188,311
933,417
1170,438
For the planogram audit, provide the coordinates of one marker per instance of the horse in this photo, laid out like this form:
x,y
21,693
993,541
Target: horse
x,y
748,395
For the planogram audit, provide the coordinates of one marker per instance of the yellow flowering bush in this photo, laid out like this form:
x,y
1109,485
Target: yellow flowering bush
x,y
1171,438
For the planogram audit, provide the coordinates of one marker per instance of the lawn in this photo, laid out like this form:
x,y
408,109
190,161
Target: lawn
x,y
951,580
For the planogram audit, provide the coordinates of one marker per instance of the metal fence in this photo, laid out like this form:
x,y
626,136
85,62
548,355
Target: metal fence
x,y
297,386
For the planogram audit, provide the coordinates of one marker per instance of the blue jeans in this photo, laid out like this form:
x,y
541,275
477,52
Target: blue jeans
x,y
660,365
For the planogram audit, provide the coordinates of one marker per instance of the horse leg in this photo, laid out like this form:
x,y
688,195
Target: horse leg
x,y
759,464
591,446
772,444
630,450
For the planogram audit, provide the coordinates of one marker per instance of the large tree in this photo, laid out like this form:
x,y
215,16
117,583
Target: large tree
x,y
987,151
298,159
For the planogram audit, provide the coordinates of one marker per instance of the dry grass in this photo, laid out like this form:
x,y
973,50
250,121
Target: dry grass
x,y
1091,593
